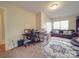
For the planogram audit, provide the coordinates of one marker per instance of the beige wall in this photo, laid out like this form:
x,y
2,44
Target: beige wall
x,y
72,21
38,20
42,19
1,27
16,19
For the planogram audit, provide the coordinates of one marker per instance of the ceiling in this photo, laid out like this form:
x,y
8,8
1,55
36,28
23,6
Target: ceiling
x,y
67,8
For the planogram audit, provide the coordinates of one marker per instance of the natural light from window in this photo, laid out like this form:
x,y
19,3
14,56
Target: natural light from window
x,y
49,27
63,25
56,25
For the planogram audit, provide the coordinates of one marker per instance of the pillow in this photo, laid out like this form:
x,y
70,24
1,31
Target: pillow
x,y
53,31
57,32
69,32
65,32
61,31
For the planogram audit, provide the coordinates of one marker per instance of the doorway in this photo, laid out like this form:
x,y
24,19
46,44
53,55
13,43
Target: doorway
x,y
2,37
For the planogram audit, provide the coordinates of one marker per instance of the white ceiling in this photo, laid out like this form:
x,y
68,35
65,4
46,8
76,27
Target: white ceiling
x,y
66,8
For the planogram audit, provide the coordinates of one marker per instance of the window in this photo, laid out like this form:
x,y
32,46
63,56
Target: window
x,y
64,25
61,25
56,25
49,27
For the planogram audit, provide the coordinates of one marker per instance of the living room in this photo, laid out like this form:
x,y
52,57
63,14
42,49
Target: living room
x,y
59,18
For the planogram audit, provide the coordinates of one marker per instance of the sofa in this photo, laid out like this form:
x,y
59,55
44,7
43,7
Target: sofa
x,y
64,33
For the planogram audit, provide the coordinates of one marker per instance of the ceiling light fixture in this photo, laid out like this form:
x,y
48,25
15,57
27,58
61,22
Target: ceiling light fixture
x,y
54,5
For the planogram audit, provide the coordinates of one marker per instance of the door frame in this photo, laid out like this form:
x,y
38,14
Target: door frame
x,y
4,24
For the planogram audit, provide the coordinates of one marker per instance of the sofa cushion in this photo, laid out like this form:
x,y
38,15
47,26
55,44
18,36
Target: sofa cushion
x,y
75,43
77,39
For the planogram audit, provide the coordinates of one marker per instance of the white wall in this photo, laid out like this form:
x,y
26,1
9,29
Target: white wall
x,y
72,21
16,20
